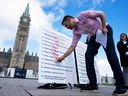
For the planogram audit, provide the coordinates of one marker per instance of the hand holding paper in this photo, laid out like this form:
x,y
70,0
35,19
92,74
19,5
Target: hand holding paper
x,y
105,30
101,38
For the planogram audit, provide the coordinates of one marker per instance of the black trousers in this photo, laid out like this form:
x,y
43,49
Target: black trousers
x,y
92,50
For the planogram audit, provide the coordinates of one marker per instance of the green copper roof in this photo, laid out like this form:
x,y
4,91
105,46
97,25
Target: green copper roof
x,y
26,12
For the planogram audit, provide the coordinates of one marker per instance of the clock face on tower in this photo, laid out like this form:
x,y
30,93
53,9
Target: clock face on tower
x,y
25,20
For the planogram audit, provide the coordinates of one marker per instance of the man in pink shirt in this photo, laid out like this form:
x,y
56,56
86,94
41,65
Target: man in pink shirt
x,y
88,22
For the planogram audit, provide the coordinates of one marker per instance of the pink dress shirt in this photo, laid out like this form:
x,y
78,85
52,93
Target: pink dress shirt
x,y
87,23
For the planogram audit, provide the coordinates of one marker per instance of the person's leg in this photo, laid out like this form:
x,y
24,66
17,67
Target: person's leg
x,y
125,74
92,50
114,62
113,59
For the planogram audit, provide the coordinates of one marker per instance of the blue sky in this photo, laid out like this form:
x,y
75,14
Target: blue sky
x,y
115,11
49,13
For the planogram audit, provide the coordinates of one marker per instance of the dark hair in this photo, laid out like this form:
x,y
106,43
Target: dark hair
x,y
125,35
65,18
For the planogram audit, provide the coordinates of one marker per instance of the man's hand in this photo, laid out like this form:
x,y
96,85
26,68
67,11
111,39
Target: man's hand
x,y
59,59
105,30
68,52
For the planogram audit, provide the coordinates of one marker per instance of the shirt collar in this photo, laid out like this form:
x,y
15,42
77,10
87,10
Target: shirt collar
x,y
77,21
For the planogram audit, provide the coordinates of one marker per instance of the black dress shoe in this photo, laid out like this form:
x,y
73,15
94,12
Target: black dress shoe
x,y
126,87
89,87
120,92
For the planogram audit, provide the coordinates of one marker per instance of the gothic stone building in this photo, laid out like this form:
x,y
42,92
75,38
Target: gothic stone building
x,y
30,61
19,58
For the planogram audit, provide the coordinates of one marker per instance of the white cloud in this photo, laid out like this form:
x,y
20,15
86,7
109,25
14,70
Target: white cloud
x,y
113,1
104,67
97,1
53,3
10,16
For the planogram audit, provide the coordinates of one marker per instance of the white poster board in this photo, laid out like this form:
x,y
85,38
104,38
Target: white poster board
x,y
81,65
54,44
97,72
80,51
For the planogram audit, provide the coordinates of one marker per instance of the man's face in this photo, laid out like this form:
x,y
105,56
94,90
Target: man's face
x,y
69,23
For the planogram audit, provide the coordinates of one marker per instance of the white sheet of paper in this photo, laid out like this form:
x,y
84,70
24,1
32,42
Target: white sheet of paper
x,y
101,38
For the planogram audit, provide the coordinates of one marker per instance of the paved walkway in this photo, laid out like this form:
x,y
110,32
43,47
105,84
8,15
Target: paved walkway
x,y
28,87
